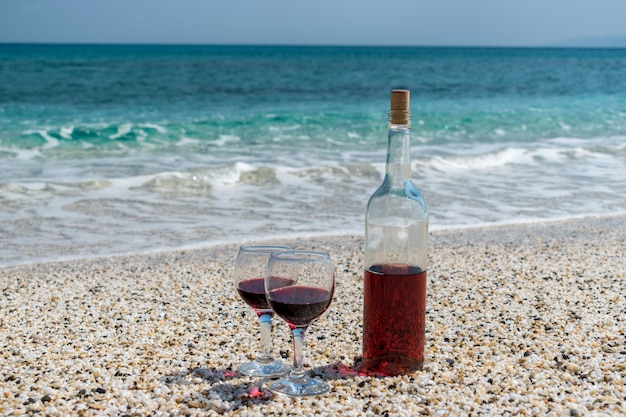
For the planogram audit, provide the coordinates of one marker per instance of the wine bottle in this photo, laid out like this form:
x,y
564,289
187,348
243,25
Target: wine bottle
x,y
396,241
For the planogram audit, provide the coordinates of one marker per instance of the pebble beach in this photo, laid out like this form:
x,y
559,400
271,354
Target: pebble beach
x,y
523,319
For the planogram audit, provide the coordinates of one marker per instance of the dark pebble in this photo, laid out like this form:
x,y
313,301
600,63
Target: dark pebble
x,y
46,399
99,390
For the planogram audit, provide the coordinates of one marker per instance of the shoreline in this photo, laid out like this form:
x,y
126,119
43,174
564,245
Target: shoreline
x,y
305,235
521,319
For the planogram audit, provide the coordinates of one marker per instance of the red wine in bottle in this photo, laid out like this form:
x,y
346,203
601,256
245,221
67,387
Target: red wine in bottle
x,y
393,332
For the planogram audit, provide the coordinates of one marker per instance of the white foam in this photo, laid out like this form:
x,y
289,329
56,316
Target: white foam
x,y
154,126
284,128
225,139
122,130
141,136
22,154
231,174
51,142
480,162
127,203
184,141
224,176
561,150
66,132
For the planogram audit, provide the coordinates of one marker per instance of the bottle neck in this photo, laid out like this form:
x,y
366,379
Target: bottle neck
x,y
398,166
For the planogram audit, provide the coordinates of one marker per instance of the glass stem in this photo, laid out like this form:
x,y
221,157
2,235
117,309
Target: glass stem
x,y
298,373
264,355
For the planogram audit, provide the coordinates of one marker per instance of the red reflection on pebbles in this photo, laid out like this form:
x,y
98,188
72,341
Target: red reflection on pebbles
x,y
229,373
340,370
256,392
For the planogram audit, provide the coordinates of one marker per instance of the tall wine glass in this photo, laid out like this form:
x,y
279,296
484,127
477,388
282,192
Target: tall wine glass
x,y
250,269
299,286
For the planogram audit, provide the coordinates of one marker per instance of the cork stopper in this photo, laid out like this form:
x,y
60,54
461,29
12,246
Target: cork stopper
x,y
400,100
399,113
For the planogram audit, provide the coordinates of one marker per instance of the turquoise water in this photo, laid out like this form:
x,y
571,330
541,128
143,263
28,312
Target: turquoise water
x,y
114,149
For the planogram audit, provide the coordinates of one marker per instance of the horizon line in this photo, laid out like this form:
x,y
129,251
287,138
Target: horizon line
x,y
315,45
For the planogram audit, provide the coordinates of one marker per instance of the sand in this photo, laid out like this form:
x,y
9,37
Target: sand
x,y
521,320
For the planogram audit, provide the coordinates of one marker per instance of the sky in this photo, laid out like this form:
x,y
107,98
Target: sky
x,y
317,22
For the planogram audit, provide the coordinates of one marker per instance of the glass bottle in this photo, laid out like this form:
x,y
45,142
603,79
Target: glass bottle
x,y
396,241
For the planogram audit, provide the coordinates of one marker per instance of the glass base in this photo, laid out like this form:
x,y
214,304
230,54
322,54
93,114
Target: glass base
x,y
302,387
269,369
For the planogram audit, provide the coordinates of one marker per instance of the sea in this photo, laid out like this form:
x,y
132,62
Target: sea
x,y
128,149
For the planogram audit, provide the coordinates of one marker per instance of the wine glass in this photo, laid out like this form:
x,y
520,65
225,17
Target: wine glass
x,y
299,286
250,269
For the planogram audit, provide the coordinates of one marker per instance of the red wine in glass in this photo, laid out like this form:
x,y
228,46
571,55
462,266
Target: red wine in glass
x,y
249,280
299,305
252,291
393,332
